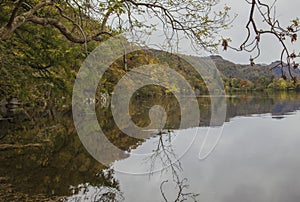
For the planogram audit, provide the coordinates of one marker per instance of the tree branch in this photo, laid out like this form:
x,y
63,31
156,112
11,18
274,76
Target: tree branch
x,y
17,21
64,30
274,28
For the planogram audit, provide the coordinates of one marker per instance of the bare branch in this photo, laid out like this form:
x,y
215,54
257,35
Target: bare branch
x,y
251,43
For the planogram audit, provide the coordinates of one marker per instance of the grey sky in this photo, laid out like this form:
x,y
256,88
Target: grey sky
x,y
286,10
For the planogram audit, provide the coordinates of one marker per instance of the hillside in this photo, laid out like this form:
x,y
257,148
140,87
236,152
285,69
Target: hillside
x,y
257,77
247,72
278,71
252,73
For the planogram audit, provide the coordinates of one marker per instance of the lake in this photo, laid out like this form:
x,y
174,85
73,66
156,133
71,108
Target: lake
x,y
252,156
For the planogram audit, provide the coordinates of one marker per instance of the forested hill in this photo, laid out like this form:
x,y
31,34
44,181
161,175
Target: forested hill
x,y
231,70
237,77
255,77
251,73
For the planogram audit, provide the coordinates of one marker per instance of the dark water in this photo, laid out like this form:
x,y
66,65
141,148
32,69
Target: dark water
x,y
255,158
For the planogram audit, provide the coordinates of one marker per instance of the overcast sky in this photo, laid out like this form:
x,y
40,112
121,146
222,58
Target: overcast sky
x,y
286,10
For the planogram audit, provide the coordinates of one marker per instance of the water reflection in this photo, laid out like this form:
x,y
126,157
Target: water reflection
x,y
102,192
165,155
256,159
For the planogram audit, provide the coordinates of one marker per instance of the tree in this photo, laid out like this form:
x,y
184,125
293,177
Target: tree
x,y
84,21
40,56
270,26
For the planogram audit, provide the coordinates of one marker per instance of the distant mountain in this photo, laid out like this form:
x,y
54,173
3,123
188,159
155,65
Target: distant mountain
x,y
252,73
277,71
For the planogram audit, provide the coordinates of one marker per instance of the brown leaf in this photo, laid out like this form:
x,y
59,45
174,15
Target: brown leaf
x,y
252,62
293,55
290,29
225,44
294,37
284,77
257,38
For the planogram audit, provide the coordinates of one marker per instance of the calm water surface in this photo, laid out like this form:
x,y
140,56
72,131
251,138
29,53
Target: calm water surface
x,y
256,157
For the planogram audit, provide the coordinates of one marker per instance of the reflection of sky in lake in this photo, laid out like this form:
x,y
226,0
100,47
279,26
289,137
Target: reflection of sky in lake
x,y
257,159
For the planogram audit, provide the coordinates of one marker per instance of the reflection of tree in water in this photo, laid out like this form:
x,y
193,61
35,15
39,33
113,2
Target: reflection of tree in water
x,y
86,192
181,195
165,155
107,191
60,160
